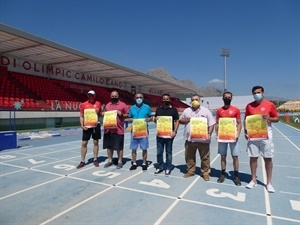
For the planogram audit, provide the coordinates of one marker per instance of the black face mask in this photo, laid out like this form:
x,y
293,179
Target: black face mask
x,y
166,103
114,100
227,101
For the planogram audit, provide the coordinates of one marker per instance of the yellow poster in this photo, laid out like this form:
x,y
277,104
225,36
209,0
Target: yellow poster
x,y
90,118
257,127
198,129
227,129
164,126
110,119
139,128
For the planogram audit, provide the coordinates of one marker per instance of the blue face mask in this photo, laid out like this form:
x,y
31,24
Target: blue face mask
x,y
139,101
257,97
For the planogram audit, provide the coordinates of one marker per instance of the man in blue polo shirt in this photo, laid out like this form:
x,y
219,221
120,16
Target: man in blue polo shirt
x,y
139,110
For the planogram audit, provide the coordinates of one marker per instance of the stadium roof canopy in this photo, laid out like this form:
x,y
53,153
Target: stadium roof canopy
x,y
19,44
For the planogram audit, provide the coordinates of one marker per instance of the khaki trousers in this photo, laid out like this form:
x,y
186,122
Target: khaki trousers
x,y
190,156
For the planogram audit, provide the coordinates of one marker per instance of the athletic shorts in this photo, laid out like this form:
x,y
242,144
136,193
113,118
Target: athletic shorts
x,y
234,148
265,148
95,132
113,141
135,142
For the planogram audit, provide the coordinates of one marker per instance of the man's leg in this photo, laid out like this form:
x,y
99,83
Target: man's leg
x,y
133,155
253,167
144,155
96,149
83,150
269,169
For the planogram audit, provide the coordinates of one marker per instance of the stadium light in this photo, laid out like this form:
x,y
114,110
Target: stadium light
x,y
225,52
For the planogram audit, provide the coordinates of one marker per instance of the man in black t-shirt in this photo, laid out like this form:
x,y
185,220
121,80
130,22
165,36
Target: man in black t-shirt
x,y
166,142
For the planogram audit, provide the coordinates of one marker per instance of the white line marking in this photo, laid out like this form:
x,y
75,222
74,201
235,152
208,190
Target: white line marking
x,y
27,189
287,139
295,205
75,206
164,215
289,193
267,199
156,183
293,177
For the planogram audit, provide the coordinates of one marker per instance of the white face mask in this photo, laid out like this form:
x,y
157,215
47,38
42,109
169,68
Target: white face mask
x,y
139,101
257,97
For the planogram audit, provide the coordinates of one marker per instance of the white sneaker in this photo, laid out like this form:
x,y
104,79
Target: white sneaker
x,y
251,185
270,188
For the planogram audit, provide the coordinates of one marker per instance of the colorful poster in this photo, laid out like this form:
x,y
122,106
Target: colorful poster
x,y
164,126
90,118
257,127
110,119
227,129
198,129
139,128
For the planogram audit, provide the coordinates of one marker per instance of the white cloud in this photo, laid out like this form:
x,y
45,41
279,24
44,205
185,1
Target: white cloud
x,y
215,81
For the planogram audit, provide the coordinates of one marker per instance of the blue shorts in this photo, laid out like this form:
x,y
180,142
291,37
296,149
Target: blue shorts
x,y
135,142
234,148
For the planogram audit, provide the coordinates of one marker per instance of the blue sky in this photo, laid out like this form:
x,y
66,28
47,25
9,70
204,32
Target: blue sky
x,y
183,36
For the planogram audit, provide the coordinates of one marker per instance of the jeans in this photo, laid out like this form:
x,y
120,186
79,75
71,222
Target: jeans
x,y
162,143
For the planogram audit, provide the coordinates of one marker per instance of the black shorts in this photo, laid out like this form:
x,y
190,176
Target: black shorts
x,y
113,141
95,132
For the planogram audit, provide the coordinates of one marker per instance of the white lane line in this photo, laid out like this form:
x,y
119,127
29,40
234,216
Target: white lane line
x,y
288,139
75,206
35,186
165,214
267,199
289,193
293,177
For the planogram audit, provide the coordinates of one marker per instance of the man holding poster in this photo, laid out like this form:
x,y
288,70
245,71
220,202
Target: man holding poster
x,y
166,119
113,122
199,124
228,129
89,113
139,115
259,116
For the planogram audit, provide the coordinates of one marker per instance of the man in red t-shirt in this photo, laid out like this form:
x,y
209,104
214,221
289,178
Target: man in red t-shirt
x,y
264,147
229,111
114,137
89,113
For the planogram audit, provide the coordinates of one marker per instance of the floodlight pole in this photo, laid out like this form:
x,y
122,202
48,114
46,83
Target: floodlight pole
x,y
225,52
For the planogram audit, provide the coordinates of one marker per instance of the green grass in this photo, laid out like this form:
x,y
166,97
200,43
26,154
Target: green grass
x,y
291,122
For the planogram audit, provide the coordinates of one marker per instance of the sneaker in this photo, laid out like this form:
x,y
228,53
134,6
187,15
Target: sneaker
x,y
108,164
133,167
221,178
270,188
186,175
158,171
144,167
168,172
237,181
120,165
96,163
81,164
206,177
251,185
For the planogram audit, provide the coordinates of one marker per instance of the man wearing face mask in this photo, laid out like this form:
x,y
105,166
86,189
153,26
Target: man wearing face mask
x,y
229,111
166,109
114,138
265,148
191,146
139,110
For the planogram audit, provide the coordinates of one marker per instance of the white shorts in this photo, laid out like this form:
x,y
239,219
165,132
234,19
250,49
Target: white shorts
x,y
265,148
234,148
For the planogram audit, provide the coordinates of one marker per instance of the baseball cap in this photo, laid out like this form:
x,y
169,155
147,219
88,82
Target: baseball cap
x,y
91,92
